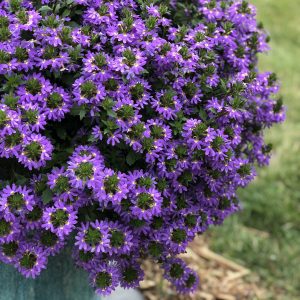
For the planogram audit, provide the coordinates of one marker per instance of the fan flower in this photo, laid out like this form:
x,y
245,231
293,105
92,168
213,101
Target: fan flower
x,y
15,201
105,278
59,219
36,151
30,260
93,237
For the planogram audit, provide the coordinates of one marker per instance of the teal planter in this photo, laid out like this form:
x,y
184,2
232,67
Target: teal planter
x,y
60,281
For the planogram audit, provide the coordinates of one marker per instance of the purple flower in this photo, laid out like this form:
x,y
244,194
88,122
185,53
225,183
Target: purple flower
x,y
30,260
50,242
146,203
15,201
105,278
131,274
8,229
59,219
83,171
111,187
58,103
88,91
93,237
8,251
36,151
121,239
9,120
35,89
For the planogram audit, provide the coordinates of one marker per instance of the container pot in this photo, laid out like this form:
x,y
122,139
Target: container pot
x,y
60,281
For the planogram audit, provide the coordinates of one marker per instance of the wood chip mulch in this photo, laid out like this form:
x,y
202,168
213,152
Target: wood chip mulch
x,y
220,278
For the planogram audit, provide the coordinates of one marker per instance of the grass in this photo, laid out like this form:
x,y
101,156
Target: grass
x,y
265,236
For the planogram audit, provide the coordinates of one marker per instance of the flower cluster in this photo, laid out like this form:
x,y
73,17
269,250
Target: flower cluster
x,y
126,128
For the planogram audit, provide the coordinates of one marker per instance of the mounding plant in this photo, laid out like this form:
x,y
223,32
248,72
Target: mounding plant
x,y
126,128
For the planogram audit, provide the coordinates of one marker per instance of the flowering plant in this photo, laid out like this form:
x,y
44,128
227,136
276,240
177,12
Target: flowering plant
x,y
126,128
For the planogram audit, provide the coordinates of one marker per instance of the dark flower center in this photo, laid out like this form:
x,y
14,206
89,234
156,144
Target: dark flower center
x,y
50,52
103,280
157,223
111,85
33,151
100,60
244,170
59,218
190,281
10,249
93,237
130,274
111,184
157,132
167,99
5,34
199,131
62,184
48,238
190,221
190,90
30,116
181,152
5,228
185,178
33,86
181,202
28,260
184,51
145,201
126,112
23,16
176,270
117,238
85,256
4,21
155,249
102,10
13,139
137,91
3,118
55,100
178,236
84,171
5,57
35,214
21,54
15,201
129,58
88,89
145,182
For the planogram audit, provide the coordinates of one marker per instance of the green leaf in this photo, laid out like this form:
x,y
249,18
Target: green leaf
x,y
82,113
20,179
66,12
111,113
202,114
45,8
132,157
62,133
47,196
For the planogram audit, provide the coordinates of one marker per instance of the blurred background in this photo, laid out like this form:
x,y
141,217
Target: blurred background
x,y
264,238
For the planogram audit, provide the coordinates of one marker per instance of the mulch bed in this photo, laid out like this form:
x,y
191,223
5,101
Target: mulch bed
x,y
221,279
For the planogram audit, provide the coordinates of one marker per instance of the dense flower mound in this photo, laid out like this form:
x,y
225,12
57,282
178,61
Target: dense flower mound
x,y
126,128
